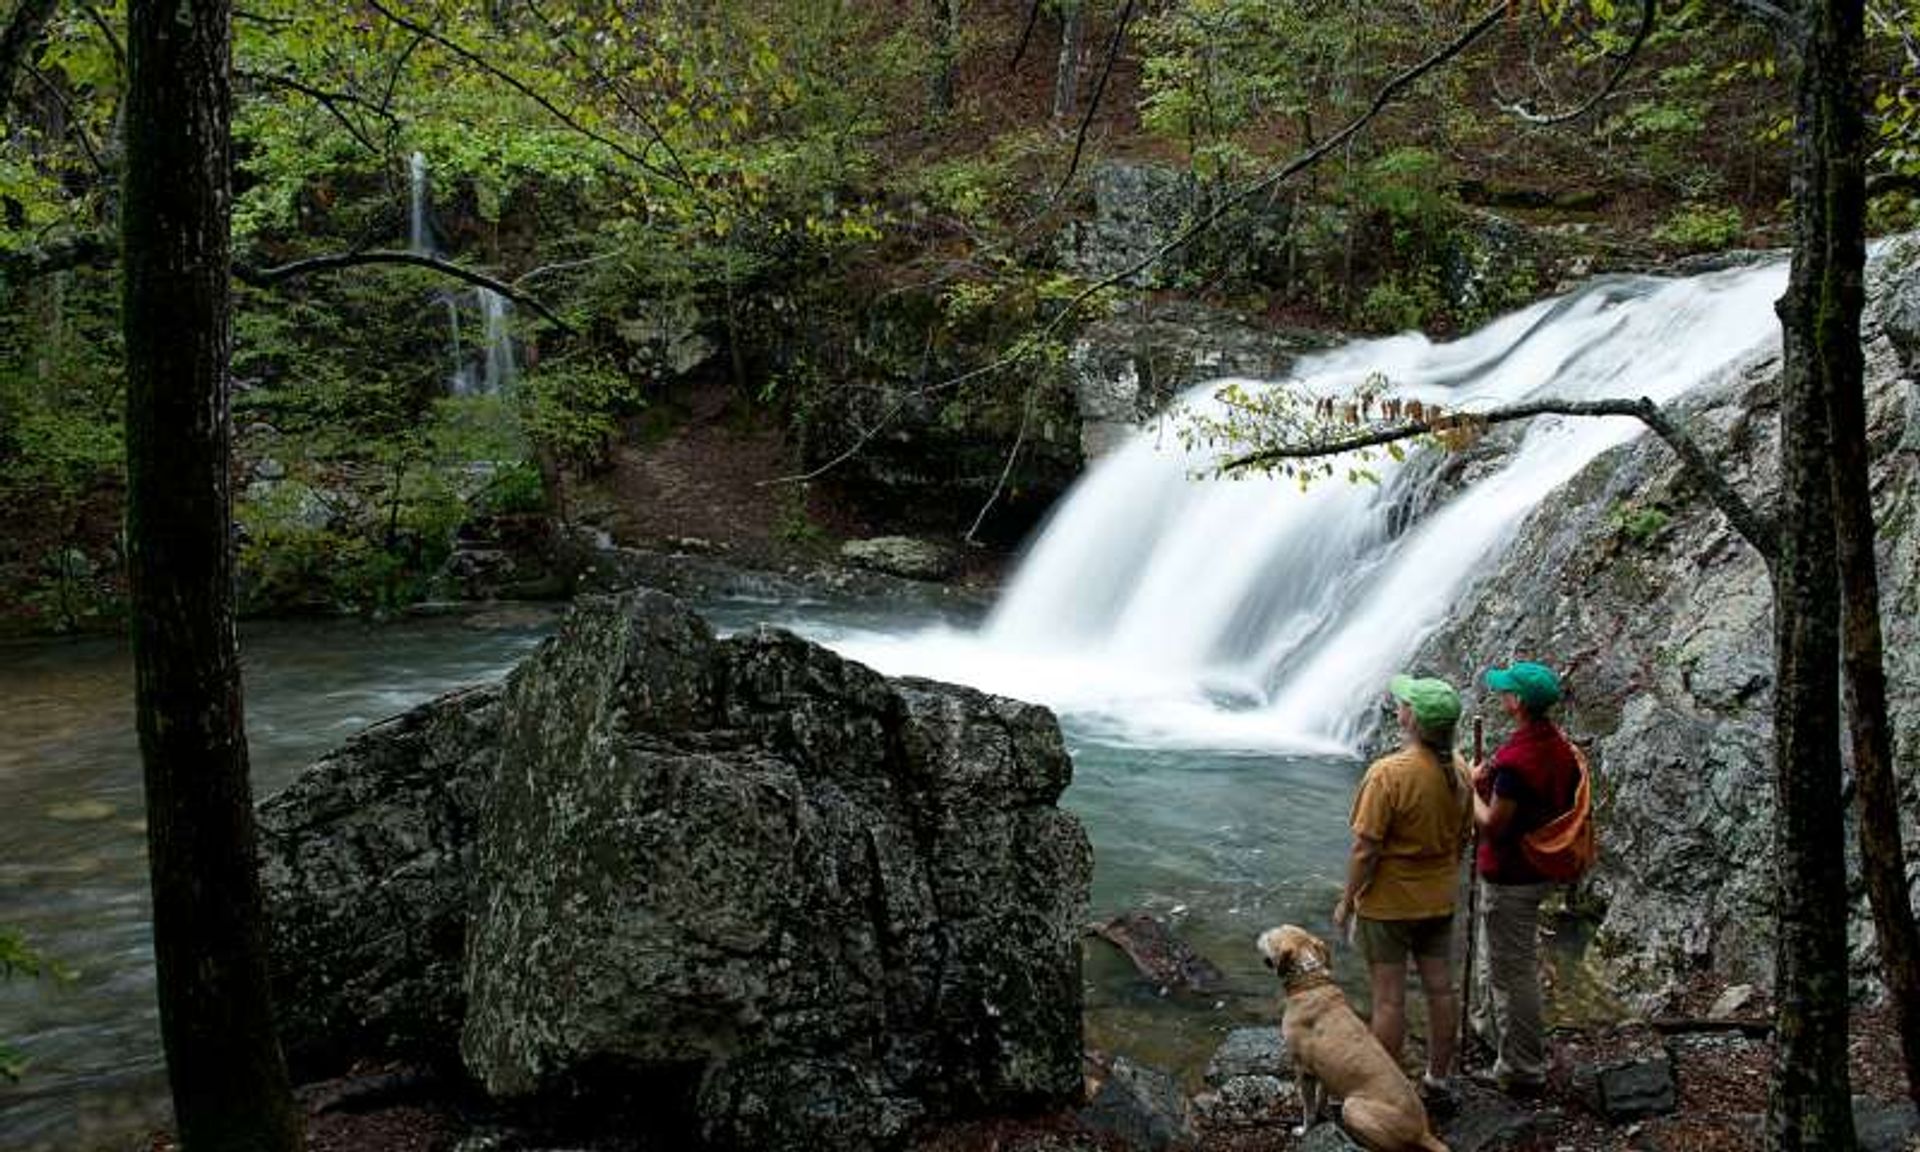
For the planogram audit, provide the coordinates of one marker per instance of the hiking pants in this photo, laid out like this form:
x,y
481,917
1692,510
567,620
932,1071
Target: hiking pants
x,y
1510,940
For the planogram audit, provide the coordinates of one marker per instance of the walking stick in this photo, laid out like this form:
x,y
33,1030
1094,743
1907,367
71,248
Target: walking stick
x,y
1473,911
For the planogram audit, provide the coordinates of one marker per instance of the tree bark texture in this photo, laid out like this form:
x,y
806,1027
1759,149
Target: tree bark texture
x,y
1883,856
944,30
1808,1102
229,1082
1066,75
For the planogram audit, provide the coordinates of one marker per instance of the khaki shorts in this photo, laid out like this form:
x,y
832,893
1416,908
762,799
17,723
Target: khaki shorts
x,y
1392,941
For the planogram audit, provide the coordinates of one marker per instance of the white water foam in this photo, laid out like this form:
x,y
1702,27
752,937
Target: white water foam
x,y
1175,612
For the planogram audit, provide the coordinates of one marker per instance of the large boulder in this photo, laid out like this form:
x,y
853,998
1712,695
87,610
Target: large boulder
x,y
786,901
1661,618
367,860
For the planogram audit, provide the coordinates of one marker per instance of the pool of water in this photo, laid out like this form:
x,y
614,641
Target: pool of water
x,y
1223,842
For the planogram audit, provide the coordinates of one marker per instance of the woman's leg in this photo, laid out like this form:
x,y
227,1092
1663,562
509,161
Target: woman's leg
x,y
1513,959
1443,1014
1389,1019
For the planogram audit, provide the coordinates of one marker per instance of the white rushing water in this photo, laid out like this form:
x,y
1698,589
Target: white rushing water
x,y
1176,612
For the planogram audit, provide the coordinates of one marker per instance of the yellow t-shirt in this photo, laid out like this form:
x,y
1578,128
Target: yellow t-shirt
x,y
1421,826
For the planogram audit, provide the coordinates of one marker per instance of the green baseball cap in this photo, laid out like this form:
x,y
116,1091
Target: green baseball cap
x,y
1535,684
1434,703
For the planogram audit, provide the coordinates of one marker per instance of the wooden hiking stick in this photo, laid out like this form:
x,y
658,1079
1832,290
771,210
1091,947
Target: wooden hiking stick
x,y
1473,909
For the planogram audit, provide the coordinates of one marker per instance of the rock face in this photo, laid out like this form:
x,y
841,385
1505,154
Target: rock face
x,y
782,899
901,556
1661,618
367,862
1126,368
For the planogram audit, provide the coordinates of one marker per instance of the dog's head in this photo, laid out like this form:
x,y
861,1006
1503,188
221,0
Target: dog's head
x,y
1291,950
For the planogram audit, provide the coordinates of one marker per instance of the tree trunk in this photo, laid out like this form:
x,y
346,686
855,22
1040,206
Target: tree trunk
x,y
229,1082
1066,76
1883,857
945,17
1808,1103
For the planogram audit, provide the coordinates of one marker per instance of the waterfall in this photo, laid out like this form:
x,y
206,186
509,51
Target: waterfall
x,y
1248,613
419,239
495,370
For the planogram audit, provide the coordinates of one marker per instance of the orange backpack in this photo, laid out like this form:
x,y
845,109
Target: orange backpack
x,y
1564,848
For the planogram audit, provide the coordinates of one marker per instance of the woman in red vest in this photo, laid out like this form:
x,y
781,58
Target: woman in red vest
x,y
1529,780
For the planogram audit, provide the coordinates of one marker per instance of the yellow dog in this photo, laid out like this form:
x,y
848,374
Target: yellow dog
x,y
1333,1052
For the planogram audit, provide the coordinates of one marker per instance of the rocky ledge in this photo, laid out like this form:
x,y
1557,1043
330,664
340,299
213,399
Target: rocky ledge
x,y
741,892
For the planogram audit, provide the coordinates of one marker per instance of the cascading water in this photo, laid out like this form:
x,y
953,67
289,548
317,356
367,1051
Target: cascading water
x,y
1246,613
495,370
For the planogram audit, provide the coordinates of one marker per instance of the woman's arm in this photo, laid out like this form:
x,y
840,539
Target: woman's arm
x,y
1361,862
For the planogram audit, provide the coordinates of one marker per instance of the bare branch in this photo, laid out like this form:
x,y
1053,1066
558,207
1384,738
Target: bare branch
x,y
1881,183
268,277
333,102
1026,35
1623,62
1754,528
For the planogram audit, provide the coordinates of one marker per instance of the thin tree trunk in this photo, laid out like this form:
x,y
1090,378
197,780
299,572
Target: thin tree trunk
x,y
1883,857
945,17
1808,1102
223,1060
1066,75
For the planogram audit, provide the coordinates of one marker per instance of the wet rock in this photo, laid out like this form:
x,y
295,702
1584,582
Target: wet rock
x,y
1249,1052
1327,1137
1160,955
1488,1121
1127,368
1143,1108
828,904
1634,1085
1885,1125
901,556
769,892
367,860
1247,1102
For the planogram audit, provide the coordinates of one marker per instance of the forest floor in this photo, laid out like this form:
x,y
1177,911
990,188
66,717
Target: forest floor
x,y
1721,1076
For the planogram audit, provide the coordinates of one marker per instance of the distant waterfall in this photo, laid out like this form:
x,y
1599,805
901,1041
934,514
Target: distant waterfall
x,y
1248,613
495,369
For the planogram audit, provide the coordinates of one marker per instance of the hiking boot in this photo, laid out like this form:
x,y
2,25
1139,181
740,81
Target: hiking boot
x,y
1438,1096
1509,1083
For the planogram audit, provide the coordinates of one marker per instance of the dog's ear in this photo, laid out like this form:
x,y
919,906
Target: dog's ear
x,y
1320,951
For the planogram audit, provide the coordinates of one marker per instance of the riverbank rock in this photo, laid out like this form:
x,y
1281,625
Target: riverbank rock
x,y
784,900
901,556
1659,618
367,861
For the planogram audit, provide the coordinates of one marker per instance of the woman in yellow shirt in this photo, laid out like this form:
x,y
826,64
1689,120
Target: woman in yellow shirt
x,y
1410,824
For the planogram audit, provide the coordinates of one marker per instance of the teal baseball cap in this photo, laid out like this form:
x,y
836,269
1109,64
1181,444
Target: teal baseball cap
x,y
1535,684
1434,703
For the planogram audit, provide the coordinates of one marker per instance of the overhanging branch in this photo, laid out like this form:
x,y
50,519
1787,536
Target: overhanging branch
x,y
1622,64
269,277
1754,528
